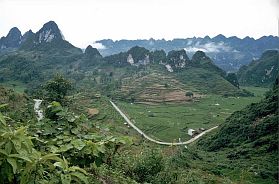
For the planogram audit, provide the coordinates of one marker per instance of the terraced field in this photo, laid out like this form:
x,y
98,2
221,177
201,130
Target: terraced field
x,y
156,88
169,122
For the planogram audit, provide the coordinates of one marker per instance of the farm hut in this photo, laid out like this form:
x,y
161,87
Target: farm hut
x,y
191,132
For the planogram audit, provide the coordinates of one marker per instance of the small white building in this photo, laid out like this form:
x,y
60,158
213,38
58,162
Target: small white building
x,y
191,132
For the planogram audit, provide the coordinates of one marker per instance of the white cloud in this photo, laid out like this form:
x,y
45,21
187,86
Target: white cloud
x,y
98,46
209,47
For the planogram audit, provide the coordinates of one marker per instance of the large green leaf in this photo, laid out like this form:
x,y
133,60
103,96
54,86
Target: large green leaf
x,y
66,178
26,141
71,118
80,176
20,157
3,105
61,164
78,144
20,131
2,119
13,163
125,140
96,148
54,149
66,147
3,152
101,148
17,144
75,168
51,156
8,147
75,131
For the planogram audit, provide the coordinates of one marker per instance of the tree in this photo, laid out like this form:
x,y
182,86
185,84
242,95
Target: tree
x,y
57,88
189,94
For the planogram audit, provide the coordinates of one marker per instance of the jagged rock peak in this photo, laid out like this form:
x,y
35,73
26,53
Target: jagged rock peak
x,y
12,40
26,35
219,36
90,51
14,33
199,55
49,32
178,55
177,59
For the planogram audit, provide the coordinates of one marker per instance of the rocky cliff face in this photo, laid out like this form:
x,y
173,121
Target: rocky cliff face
x,y
48,33
12,40
229,53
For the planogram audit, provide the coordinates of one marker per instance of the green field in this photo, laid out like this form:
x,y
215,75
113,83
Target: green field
x,y
169,122
15,85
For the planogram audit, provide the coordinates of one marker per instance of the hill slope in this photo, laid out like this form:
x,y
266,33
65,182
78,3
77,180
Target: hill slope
x,y
261,72
250,135
160,77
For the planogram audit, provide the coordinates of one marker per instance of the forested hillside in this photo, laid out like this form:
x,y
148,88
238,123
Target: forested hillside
x,y
251,135
261,72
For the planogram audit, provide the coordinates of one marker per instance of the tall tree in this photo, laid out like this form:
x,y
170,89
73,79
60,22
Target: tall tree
x,y
57,88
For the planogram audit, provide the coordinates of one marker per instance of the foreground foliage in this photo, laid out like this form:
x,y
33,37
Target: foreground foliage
x,y
59,151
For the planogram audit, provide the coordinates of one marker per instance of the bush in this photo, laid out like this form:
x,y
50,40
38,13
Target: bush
x,y
148,167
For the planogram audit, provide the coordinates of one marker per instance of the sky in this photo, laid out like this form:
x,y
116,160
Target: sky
x,y
82,22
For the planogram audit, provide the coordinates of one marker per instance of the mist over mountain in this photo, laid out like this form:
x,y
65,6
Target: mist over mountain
x,y
228,53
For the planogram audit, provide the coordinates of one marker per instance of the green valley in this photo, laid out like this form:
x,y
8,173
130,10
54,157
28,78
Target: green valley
x,y
58,125
169,122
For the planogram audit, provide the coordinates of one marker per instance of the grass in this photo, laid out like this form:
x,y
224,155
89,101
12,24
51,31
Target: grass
x,y
169,122
206,81
256,90
15,85
107,118
236,170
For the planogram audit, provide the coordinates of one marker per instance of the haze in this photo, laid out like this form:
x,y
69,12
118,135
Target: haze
x,y
83,21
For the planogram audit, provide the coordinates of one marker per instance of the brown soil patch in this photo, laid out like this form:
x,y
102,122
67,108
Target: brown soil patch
x,y
92,112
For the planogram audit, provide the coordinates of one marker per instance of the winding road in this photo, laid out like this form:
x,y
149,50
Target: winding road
x,y
153,140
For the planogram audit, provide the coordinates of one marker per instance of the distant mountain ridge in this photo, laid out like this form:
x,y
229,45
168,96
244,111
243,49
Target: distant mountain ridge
x,y
228,53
